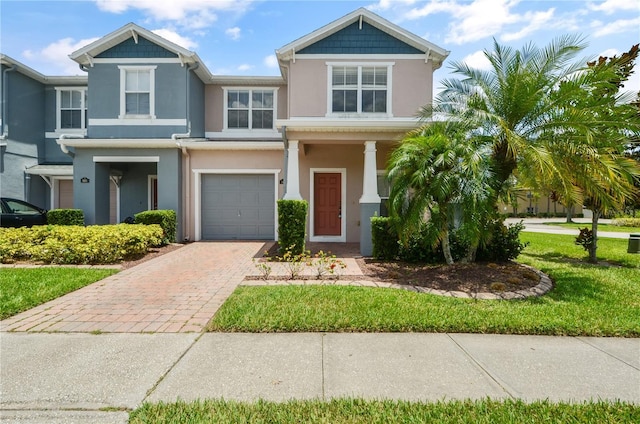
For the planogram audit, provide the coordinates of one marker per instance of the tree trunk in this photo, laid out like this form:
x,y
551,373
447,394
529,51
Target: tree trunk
x,y
594,229
446,248
570,214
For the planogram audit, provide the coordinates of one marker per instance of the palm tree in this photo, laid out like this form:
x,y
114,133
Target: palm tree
x,y
440,173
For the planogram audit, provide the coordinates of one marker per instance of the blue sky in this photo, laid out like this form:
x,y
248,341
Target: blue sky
x,y
238,37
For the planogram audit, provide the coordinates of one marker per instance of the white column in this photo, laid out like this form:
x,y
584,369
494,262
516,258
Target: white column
x,y
370,176
292,185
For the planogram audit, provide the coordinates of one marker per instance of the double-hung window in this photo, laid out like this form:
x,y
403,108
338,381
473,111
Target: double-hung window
x,y
72,108
362,89
384,188
137,92
250,109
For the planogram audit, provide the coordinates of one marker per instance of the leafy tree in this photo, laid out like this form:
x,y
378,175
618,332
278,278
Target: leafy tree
x,y
549,121
440,174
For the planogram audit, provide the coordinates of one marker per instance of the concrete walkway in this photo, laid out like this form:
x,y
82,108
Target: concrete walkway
x,y
98,378
176,292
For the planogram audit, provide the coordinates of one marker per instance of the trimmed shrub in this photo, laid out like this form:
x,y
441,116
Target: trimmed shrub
x,y
70,244
165,218
626,222
385,238
504,244
292,224
65,217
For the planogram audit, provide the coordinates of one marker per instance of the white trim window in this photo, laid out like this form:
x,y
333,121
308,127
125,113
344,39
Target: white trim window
x,y
250,109
137,91
384,189
71,110
359,89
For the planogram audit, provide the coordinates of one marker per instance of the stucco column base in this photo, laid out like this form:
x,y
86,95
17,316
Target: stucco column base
x,y
367,210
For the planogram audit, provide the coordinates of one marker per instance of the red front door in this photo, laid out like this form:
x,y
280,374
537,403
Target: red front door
x,y
327,197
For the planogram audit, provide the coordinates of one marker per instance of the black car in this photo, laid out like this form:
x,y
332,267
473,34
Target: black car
x,y
18,213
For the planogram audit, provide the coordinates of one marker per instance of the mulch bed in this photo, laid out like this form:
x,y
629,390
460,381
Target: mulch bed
x,y
479,277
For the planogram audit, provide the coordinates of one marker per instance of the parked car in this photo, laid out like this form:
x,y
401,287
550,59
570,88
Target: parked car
x,y
18,213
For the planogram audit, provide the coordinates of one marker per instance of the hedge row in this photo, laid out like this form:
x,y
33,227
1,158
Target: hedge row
x,y
504,243
76,244
626,222
165,218
65,217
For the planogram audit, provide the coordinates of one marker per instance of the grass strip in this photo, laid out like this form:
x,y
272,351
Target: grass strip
x,y
588,300
357,411
25,288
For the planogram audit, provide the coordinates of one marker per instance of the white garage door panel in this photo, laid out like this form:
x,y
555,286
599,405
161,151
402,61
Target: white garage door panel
x,y
238,207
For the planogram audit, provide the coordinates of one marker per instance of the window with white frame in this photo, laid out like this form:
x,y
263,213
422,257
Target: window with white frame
x,y
137,91
250,109
359,88
71,108
384,188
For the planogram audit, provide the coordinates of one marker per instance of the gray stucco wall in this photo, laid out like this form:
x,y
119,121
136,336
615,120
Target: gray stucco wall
x,y
196,105
25,141
93,197
104,101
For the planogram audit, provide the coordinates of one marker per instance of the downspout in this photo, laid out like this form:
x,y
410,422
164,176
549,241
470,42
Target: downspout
x,y
5,125
64,147
187,191
285,141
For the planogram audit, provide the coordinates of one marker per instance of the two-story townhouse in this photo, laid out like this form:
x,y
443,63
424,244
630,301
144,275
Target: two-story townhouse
x,y
220,150
36,111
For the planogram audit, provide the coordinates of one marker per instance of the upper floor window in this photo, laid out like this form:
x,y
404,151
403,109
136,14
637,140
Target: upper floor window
x,y
137,91
359,88
250,108
71,108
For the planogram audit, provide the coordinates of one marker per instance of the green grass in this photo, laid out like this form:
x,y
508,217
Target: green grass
x,y
25,288
368,412
601,227
587,300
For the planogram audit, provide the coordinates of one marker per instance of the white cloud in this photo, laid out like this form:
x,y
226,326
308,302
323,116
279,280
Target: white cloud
x,y
611,6
176,38
245,67
633,83
271,61
233,33
609,53
192,14
617,27
54,58
537,20
477,60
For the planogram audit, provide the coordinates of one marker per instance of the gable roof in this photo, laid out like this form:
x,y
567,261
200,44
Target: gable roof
x,y
10,62
435,53
85,55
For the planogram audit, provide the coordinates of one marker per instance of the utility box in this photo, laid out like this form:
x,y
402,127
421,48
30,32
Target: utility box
x,y
634,243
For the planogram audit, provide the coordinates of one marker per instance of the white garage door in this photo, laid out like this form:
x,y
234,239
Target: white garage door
x,y
238,207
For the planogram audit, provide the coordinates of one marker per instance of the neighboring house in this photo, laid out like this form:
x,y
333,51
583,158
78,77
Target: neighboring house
x,y
220,150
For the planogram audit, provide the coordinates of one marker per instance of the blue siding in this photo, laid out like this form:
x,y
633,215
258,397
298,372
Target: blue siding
x,y
353,40
25,142
196,105
129,49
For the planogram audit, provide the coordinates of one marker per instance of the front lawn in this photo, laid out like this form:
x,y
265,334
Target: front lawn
x,y
587,300
25,288
356,411
601,227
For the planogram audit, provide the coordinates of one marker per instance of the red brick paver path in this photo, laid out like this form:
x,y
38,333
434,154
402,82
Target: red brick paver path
x,y
176,292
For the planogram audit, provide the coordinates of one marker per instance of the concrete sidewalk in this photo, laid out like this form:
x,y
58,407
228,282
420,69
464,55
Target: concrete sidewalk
x,y
98,378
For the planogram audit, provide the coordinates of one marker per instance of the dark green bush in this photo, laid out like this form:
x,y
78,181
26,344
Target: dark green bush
x,y
70,244
65,217
292,224
504,244
385,238
165,218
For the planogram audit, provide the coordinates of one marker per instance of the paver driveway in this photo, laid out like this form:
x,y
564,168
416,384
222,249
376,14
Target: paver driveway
x,y
176,292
